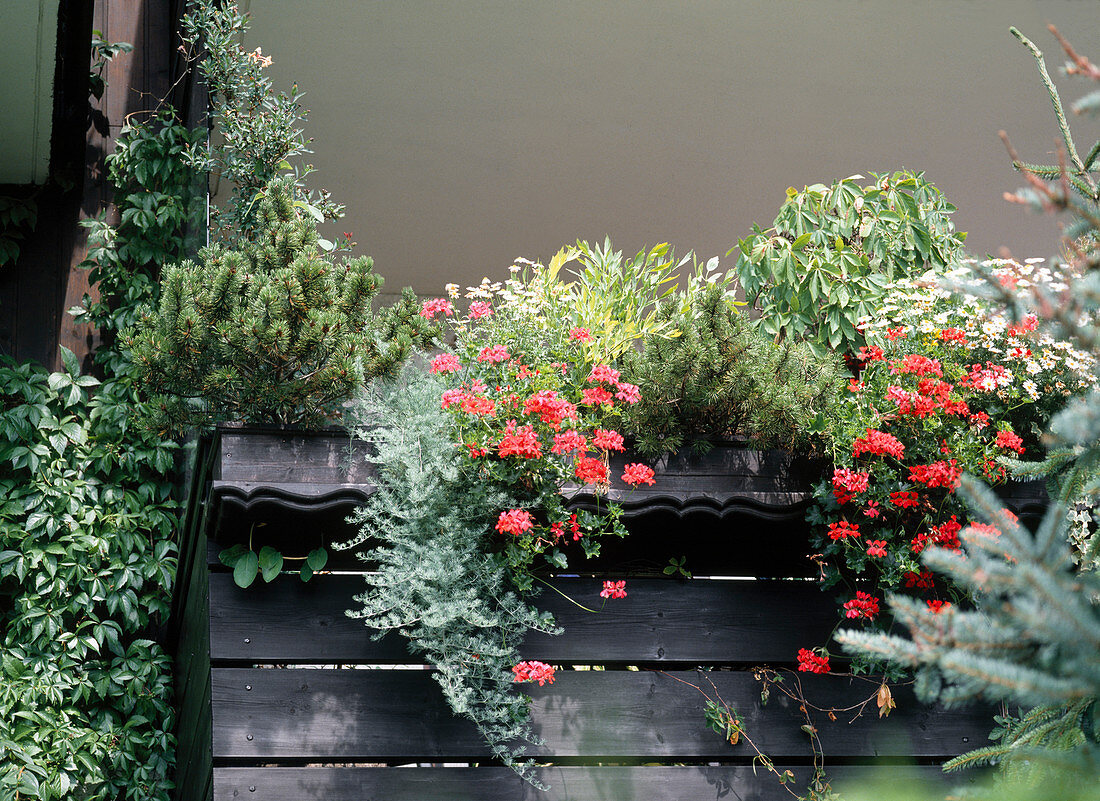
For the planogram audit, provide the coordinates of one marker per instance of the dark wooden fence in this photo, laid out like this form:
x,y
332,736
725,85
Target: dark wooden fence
x,y
285,698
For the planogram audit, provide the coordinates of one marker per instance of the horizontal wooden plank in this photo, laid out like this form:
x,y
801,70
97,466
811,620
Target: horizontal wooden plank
x,y
326,457
694,622
653,783
379,715
736,545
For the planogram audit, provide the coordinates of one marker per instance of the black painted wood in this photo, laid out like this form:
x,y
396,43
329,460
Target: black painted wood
x,y
384,715
277,456
695,622
734,545
683,783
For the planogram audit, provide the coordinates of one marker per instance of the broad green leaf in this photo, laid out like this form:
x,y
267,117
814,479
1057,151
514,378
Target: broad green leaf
x,y
317,559
72,364
270,562
230,556
244,573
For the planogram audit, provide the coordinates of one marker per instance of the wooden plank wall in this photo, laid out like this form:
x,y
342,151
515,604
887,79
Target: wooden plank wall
x,y
189,638
305,705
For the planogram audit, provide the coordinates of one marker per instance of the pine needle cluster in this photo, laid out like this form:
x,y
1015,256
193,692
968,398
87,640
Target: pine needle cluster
x,y
437,580
722,377
272,331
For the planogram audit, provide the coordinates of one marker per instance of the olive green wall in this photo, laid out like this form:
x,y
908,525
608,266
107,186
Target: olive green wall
x,y
463,134
28,44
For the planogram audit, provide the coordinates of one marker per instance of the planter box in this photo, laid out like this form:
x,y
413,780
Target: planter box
x,y
249,731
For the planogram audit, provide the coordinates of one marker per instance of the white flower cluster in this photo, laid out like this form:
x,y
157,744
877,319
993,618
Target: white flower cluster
x,y
930,305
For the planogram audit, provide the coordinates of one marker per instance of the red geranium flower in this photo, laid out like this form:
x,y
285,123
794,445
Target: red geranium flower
x,y
519,441
613,589
608,440
568,442
445,363
515,521
637,473
809,662
493,354
1010,441
479,309
878,443
431,308
863,605
534,671
838,531
591,470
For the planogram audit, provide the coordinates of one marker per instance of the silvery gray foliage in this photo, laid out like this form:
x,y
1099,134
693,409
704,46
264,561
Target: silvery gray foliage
x,y
437,580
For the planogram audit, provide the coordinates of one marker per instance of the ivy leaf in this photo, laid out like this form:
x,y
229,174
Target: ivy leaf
x,y
72,364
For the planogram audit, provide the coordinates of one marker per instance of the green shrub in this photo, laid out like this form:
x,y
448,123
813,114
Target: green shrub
x,y
270,332
831,251
722,377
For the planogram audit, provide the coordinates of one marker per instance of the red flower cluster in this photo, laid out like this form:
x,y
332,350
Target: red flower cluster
x,y
636,473
878,443
944,473
986,379
846,483
979,420
521,441
608,440
870,354
596,396
863,605
838,531
580,334
932,395
922,580
985,530
917,365
1010,441
515,521
936,606
569,442
1029,323
445,363
953,335
479,309
946,535
493,354
904,500
809,662
613,589
602,374
876,547
470,401
550,408
534,671
591,471
431,308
